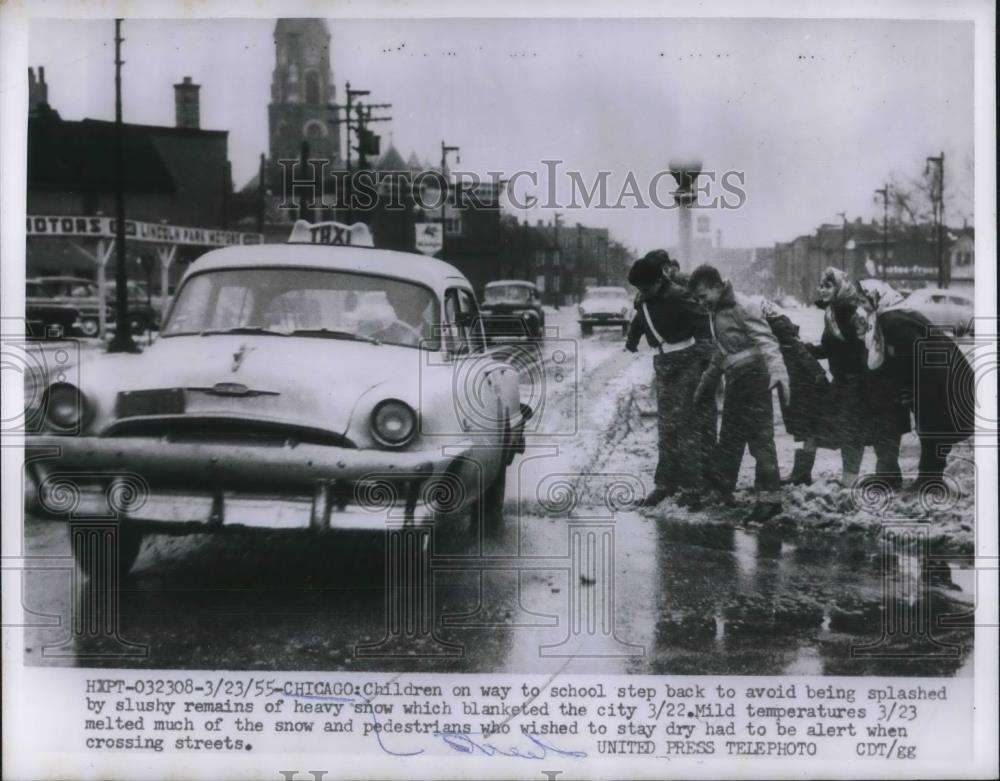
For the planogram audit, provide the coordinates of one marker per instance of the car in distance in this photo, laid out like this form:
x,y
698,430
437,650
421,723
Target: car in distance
x,y
946,308
307,386
512,311
604,306
46,317
83,294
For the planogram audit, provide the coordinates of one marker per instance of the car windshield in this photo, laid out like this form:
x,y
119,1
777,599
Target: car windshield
x,y
497,293
306,302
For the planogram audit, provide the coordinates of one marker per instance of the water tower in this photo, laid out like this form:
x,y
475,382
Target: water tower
x,y
685,173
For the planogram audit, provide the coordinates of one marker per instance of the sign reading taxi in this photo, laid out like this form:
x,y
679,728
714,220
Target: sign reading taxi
x,y
106,228
429,237
334,234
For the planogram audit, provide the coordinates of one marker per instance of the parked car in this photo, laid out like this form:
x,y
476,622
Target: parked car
x,y
945,308
44,316
83,294
512,311
603,306
282,394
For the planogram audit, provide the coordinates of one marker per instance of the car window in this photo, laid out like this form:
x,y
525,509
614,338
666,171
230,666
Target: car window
x,y
315,300
959,300
938,299
497,293
470,313
82,290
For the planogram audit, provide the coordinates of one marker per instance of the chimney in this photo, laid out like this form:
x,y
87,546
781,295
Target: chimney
x,y
186,104
38,92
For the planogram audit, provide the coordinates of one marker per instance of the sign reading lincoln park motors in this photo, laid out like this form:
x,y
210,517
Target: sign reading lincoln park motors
x,y
429,238
105,228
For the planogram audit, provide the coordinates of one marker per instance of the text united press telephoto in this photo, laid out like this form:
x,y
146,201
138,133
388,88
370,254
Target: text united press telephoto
x,y
413,391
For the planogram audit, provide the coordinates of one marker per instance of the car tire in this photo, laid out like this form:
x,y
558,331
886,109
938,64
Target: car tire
x,y
488,508
89,327
129,543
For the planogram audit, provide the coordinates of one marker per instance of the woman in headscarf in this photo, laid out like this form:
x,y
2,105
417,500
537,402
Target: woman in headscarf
x,y
864,409
923,370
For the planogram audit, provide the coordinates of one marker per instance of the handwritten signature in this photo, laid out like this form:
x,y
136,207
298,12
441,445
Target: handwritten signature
x,y
464,743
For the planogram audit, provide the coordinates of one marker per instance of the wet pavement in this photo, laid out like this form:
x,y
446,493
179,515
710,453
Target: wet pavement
x,y
576,581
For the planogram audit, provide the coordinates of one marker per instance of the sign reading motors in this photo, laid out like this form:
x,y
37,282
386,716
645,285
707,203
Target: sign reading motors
x,y
105,228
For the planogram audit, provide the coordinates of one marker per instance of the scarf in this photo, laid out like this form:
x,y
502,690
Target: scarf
x,y
864,321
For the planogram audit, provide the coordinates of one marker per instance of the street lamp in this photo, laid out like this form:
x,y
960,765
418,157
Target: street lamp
x,y
884,192
937,199
445,151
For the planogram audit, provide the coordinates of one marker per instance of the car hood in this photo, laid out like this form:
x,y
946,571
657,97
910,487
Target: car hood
x,y
306,381
606,304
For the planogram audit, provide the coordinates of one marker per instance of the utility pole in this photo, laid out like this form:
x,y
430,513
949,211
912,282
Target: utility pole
x,y
360,126
122,341
937,198
557,281
445,151
884,192
843,242
605,240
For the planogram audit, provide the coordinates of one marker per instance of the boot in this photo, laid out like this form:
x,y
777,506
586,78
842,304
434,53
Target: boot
x,y
655,496
762,512
801,468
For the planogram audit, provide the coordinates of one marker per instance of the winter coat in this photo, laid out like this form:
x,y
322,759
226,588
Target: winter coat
x,y
676,318
928,367
804,414
863,405
743,341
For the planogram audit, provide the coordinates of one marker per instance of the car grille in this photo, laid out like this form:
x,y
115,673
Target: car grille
x,y
227,431
505,325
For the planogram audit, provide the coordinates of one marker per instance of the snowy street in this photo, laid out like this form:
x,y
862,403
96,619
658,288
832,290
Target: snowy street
x,y
576,581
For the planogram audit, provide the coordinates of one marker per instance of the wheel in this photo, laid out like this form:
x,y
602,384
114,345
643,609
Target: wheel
x,y
89,326
129,542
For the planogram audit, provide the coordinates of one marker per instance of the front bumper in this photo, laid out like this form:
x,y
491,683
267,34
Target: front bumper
x,y
205,487
603,319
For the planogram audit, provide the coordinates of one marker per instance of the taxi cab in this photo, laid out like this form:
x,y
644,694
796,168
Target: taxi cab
x,y
320,384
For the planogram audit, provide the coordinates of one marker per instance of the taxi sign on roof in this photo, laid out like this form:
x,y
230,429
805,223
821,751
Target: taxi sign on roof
x,y
334,234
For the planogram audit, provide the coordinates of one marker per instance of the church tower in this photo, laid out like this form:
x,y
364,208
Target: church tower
x,y
302,92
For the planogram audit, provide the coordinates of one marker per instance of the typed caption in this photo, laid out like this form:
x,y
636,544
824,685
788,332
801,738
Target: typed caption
x,y
567,717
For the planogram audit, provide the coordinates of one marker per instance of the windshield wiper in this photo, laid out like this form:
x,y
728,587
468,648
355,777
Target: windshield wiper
x,y
328,333
243,329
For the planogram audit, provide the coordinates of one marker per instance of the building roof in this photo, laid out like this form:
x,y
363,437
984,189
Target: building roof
x,y
80,154
391,160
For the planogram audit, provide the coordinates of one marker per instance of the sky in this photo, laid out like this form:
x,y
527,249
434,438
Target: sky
x,y
816,114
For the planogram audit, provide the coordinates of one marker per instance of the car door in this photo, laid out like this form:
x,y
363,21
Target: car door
x,y
486,389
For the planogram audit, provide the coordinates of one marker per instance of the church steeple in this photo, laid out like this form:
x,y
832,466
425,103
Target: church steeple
x,y
303,92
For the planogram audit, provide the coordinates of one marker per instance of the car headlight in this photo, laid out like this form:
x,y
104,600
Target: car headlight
x,y
394,423
64,406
